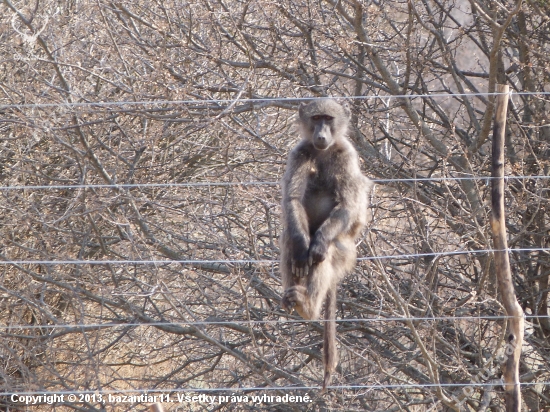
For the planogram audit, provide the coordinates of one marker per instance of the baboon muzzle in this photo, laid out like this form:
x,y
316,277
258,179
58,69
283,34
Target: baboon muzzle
x,y
322,136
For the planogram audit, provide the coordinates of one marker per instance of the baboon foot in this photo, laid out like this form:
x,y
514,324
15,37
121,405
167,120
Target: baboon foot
x,y
294,298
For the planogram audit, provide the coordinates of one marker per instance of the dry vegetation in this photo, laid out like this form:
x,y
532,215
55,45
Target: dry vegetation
x,y
112,169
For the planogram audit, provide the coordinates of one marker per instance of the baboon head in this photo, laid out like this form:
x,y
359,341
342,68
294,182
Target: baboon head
x,y
324,121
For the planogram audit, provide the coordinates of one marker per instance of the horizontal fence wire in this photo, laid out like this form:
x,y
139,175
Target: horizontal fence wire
x,y
250,183
98,326
267,388
253,261
261,100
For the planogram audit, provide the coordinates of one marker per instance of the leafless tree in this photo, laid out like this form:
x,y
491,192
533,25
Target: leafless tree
x,y
163,217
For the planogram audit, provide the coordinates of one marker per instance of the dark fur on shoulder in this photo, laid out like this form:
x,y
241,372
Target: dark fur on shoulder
x,y
325,201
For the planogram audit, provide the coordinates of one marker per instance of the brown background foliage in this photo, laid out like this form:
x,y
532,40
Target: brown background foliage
x,y
193,176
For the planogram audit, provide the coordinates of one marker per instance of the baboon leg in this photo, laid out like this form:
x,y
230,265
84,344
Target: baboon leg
x,y
287,279
307,295
307,305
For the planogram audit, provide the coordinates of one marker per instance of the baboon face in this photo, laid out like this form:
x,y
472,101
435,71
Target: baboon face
x,y
323,122
321,126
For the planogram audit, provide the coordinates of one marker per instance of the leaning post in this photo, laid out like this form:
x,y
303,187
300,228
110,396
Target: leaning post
x,y
156,407
515,324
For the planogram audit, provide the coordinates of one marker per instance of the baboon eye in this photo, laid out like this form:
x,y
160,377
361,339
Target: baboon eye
x,y
324,117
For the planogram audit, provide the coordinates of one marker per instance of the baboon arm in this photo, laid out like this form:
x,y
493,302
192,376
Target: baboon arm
x,y
294,189
339,221
345,218
298,232
295,216
348,210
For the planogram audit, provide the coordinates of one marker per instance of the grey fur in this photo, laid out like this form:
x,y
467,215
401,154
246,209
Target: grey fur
x,y
325,201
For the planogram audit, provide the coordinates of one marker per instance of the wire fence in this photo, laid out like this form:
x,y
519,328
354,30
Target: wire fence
x,y
256,100
495,383
257,322
251,183
97,326
7,329
253,261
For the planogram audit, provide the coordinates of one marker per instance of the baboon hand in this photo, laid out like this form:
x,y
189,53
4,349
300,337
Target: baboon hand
x,y
300,267
317,250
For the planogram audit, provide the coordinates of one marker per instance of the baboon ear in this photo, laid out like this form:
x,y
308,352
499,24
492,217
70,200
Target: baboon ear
x,y
301,109
347,109
369,184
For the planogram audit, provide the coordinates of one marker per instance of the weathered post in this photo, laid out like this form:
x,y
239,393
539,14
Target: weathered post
x,y
156,407
514,335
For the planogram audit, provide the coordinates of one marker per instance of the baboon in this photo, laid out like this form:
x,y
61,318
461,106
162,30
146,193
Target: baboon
x,y
325,201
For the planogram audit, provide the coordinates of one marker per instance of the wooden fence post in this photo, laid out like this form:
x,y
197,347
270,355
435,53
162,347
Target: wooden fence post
x,y
515,324
156,407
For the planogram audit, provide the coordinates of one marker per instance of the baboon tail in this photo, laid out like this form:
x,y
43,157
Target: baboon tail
x,y
329,345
